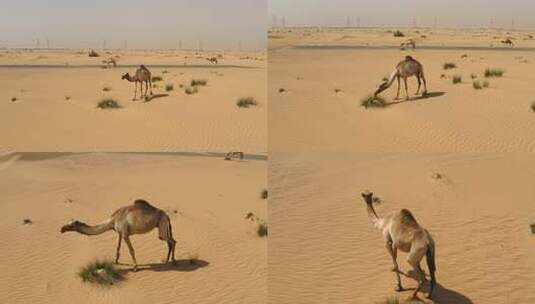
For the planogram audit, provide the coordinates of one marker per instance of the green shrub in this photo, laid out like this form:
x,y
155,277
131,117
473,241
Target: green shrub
x,y
457,79
373,102
191,90
494,72
198,82
398,33
246,102
449,65
102,273
108,103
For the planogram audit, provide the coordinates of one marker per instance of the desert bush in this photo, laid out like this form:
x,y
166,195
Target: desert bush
x,y
102,273
264,194
476,85
494,72
198,82
373,102
262,230
246,102
92,53
169,87
457,79
533,106
106,89
191,90
156,78
398,33
108,103
449,65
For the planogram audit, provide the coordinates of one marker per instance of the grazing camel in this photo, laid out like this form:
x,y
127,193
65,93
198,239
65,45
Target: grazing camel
x,y
409,42
401,231
139,218
212,60
406,68
508,41
142,75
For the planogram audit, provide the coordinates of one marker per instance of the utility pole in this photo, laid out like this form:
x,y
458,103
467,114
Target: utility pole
x,y
200,45
125,45
37,43
358,21
274,20
283,21
104,44
47,43
435,23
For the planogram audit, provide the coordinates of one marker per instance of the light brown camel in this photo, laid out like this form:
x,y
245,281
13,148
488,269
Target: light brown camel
x,y
405,69
401,231
232,154
110,61
138,218
142,75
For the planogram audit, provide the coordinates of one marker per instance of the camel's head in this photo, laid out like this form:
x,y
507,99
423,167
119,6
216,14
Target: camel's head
x,y
125,76
383,86
71,226
368,197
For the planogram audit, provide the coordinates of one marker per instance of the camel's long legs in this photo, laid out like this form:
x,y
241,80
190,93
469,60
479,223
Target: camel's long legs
x,y
394,253
146,87
118,250
150,85
135,90
399,86
419,84
131,249
425,85
415,256
406,88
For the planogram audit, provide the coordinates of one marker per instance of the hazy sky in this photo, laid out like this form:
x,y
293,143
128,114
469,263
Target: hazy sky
x,y
143,23
450,13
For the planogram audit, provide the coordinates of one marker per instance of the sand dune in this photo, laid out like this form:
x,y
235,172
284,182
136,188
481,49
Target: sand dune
x,y
56,108
206,197
324,249
320,108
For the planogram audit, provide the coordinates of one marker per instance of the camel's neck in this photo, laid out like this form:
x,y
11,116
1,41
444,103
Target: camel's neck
x,y
376,220
97,229
130,78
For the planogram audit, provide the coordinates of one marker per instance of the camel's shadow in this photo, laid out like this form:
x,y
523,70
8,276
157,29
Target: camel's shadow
x,y
419,97
179,265
441,294
155,96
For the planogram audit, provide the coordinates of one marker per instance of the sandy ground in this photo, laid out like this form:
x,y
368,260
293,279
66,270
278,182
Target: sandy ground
x,y
56,108
324,249
205,196
319,106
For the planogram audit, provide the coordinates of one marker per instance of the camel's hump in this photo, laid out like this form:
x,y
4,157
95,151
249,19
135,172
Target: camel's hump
x,y
140,203
407,217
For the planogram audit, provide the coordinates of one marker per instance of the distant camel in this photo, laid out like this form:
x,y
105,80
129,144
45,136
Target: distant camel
x,y
233,154
401,231
406,68
508,41
139,218
212,60
409,42
142,75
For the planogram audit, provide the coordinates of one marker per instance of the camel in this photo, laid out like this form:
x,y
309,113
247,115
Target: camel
x,y
110,61
406,68
142,75
409,42
232,154
508,41
401,231
212,60
138,218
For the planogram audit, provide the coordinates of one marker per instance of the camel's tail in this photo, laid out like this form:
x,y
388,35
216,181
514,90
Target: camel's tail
x,y
430,257
166,230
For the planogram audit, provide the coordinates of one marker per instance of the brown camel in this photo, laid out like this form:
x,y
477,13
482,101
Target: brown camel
x,y
409,42
142,75
139,218
401,231
232,154
405,69
508,41
212,60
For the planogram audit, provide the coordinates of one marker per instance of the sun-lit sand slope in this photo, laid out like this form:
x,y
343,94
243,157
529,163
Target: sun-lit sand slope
x,y
56,108
324,249
315,93
206,198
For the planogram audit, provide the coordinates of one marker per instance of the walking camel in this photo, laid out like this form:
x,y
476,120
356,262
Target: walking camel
x,y
401,231
508,41
409,42
142,75
405,69
138,218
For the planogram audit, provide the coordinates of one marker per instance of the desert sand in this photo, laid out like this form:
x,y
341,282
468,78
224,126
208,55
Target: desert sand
x,y
56,94
324,249
205,196
317,78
